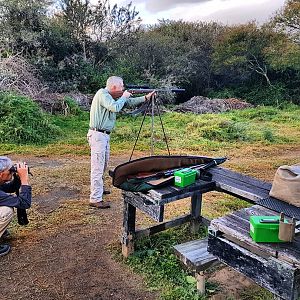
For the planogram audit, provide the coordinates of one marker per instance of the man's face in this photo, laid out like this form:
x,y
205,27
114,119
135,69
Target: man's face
x,y
118,87
5,176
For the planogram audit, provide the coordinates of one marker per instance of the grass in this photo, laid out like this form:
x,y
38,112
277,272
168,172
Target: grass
x,y
257,141
154,258
186,133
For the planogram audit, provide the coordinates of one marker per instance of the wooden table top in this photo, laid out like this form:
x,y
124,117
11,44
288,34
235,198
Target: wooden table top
x,y
236,227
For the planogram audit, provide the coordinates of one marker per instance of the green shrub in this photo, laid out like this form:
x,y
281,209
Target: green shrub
x,y
72,107
154,257
268,135
23,122
271,95
257,94
227,131
261,113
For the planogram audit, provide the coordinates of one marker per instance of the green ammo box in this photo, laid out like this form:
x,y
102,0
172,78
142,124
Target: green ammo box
x,y
264,229
185,177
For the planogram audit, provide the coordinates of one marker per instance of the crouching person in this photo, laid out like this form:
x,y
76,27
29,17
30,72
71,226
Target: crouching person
x,y
13,179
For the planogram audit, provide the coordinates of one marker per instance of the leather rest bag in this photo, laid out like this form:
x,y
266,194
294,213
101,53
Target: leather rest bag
x,y
286,184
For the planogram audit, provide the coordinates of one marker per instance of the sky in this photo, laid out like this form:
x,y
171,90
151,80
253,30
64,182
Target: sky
x,y
222,11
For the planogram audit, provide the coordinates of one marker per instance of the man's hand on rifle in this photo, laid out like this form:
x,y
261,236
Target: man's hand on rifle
x,y
22,170
126,94
149,96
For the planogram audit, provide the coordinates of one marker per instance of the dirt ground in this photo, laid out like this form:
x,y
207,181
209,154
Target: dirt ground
x,y
65,251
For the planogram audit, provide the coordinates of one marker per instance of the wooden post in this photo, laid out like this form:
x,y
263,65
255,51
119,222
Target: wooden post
x,y
200,277
128,229
196,203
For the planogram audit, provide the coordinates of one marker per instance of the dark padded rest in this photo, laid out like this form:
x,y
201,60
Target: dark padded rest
x,y
280,206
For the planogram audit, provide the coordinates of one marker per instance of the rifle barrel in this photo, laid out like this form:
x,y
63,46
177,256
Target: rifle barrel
x,y
145,91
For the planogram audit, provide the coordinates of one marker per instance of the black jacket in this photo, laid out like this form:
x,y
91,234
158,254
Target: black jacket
x,y
23,200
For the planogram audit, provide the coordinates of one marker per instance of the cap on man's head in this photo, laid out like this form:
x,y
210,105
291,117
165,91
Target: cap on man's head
x,y
5,163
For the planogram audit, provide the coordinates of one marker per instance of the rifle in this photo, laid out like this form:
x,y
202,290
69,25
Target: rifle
x,y
142,90
143,182
201,173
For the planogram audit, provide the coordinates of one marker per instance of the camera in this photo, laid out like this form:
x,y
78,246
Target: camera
x,y
14,170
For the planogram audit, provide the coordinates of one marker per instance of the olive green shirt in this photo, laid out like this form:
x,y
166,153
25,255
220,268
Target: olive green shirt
x,y
104,108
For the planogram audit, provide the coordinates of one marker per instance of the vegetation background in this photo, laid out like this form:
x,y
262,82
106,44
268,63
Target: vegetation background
x,y
76,45
47,51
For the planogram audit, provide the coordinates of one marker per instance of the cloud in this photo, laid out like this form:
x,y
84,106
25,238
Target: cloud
x,y
155,6
244,13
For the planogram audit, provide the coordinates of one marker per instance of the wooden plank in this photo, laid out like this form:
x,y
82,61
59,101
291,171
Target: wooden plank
x,y
128,229
163,226
172,193
194,255
196,204
281,278
240,185
169,224
156,212
237,226
243,178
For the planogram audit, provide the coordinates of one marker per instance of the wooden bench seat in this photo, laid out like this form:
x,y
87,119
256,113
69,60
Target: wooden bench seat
x,y
195,257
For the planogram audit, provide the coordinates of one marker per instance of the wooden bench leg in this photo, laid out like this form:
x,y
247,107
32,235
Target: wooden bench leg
x,y
200,278
128,229
196,203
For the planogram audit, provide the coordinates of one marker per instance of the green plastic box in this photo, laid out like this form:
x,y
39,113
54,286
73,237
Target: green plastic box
x,y
185,177
264,229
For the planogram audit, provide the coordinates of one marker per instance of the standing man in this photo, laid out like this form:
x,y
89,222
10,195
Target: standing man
x,y
9,201
102,121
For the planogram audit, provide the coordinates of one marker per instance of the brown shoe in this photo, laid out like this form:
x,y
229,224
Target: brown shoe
x,y
101,204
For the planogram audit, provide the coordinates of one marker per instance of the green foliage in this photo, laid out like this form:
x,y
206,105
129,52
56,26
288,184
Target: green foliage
x,y
22,24
83,44
258,94
271,95
22,121
288,19
256,293
72,107
227,131
154,257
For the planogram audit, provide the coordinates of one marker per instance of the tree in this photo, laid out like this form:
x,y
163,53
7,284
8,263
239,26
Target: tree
x,y
240,51
98,22
284,51
288,20
174,52
21,24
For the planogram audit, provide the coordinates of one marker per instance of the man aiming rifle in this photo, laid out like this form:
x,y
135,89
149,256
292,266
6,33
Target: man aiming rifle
x,y
105,105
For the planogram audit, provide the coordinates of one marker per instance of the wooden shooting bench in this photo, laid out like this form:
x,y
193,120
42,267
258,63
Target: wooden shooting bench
x,y
273,266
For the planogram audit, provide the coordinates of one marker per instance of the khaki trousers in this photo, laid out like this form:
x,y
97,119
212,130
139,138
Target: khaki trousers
x,y
6,215
99,144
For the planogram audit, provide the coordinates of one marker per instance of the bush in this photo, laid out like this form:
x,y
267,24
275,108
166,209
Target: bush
x,y
72,107
227,131
256,94
22,121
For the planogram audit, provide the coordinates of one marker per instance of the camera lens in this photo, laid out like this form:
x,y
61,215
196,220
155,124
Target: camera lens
x,y
13,169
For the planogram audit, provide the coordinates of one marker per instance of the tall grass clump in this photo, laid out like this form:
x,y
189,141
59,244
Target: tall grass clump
x,y
23,122
154,257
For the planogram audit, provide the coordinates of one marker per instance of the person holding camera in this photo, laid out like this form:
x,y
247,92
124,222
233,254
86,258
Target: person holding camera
x,y
106,103
12,178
